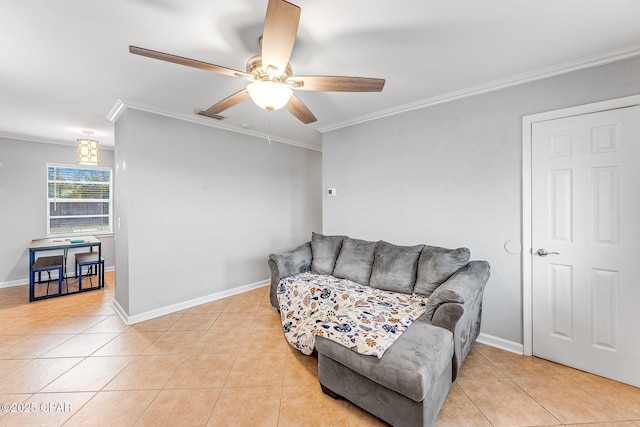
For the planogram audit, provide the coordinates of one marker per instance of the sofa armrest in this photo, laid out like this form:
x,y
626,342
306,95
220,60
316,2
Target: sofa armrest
x,y
456,305
287,264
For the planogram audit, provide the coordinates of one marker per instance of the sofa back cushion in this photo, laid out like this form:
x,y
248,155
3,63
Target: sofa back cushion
x,y
355,260
436,265
325,250
394,267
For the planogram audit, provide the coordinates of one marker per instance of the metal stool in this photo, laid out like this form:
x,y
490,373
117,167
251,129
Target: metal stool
x,y
49,263
89,259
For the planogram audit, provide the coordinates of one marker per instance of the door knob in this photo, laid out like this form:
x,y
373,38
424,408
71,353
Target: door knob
x,y
543,252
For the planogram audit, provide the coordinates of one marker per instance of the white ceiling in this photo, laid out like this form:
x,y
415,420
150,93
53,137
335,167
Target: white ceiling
x,y
64,64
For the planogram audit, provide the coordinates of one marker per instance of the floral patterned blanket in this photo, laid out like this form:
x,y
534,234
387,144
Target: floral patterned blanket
x,y
364,319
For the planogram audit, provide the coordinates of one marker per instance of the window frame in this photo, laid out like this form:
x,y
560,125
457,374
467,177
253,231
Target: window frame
x,y
48,200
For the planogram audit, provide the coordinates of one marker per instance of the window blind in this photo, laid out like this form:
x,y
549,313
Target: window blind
x,y
79,200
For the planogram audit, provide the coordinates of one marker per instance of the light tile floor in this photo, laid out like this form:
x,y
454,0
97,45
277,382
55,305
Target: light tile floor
x,y
73,362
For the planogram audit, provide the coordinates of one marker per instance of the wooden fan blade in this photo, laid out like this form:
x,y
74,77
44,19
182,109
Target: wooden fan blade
x,y
301,111
226,103
279,34
337,83
186,61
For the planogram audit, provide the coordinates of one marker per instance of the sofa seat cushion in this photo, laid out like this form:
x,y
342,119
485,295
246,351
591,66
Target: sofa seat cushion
x,y
355,260
325,250
410,366
436,265
394,267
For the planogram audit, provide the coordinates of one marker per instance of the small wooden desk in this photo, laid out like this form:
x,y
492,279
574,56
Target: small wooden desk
x,y
65,244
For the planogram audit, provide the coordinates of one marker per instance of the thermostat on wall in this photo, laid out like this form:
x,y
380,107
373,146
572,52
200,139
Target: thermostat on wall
x,y
331,191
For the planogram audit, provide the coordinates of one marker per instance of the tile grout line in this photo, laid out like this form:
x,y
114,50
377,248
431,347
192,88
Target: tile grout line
x,y
556,417
469,397
477,407
536,400
525,392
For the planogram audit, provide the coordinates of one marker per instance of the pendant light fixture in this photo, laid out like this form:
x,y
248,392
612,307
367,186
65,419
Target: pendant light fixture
x,y
88,150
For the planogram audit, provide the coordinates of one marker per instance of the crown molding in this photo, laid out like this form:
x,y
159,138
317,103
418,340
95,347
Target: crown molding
x,y
543,73
35,139
31,138
121,106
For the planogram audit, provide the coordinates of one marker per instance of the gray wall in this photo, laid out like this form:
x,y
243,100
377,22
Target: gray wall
x,y
200,208
23,202
450,175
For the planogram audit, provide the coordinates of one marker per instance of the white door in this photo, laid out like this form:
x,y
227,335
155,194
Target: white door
x,y
586,216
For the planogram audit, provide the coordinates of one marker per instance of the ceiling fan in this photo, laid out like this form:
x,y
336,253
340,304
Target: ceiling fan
x,y
270,74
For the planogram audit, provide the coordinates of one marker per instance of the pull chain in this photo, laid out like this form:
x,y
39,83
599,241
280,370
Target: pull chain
x,y
269,127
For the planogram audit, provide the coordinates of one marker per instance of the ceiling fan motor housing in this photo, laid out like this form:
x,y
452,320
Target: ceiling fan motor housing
x,y
255,68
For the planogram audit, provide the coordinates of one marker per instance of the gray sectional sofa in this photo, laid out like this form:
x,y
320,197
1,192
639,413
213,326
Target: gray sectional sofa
x,y
409,383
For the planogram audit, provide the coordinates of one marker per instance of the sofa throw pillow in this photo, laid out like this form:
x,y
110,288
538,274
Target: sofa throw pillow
x,y
325,250
355,260
394,267
436,265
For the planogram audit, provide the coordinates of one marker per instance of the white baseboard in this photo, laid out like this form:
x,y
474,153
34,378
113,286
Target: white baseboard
x,y
120,311
152,314
12,283
20,282
500,343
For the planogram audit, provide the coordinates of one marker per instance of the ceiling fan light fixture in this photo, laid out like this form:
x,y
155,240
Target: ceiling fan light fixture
x,y
269,95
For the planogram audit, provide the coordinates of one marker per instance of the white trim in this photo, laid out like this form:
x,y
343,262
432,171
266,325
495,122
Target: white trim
x,y
500,343
527,303
30,138
78,166
120,311
136,318
117,110
527,269
12,283
543,73
122,104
